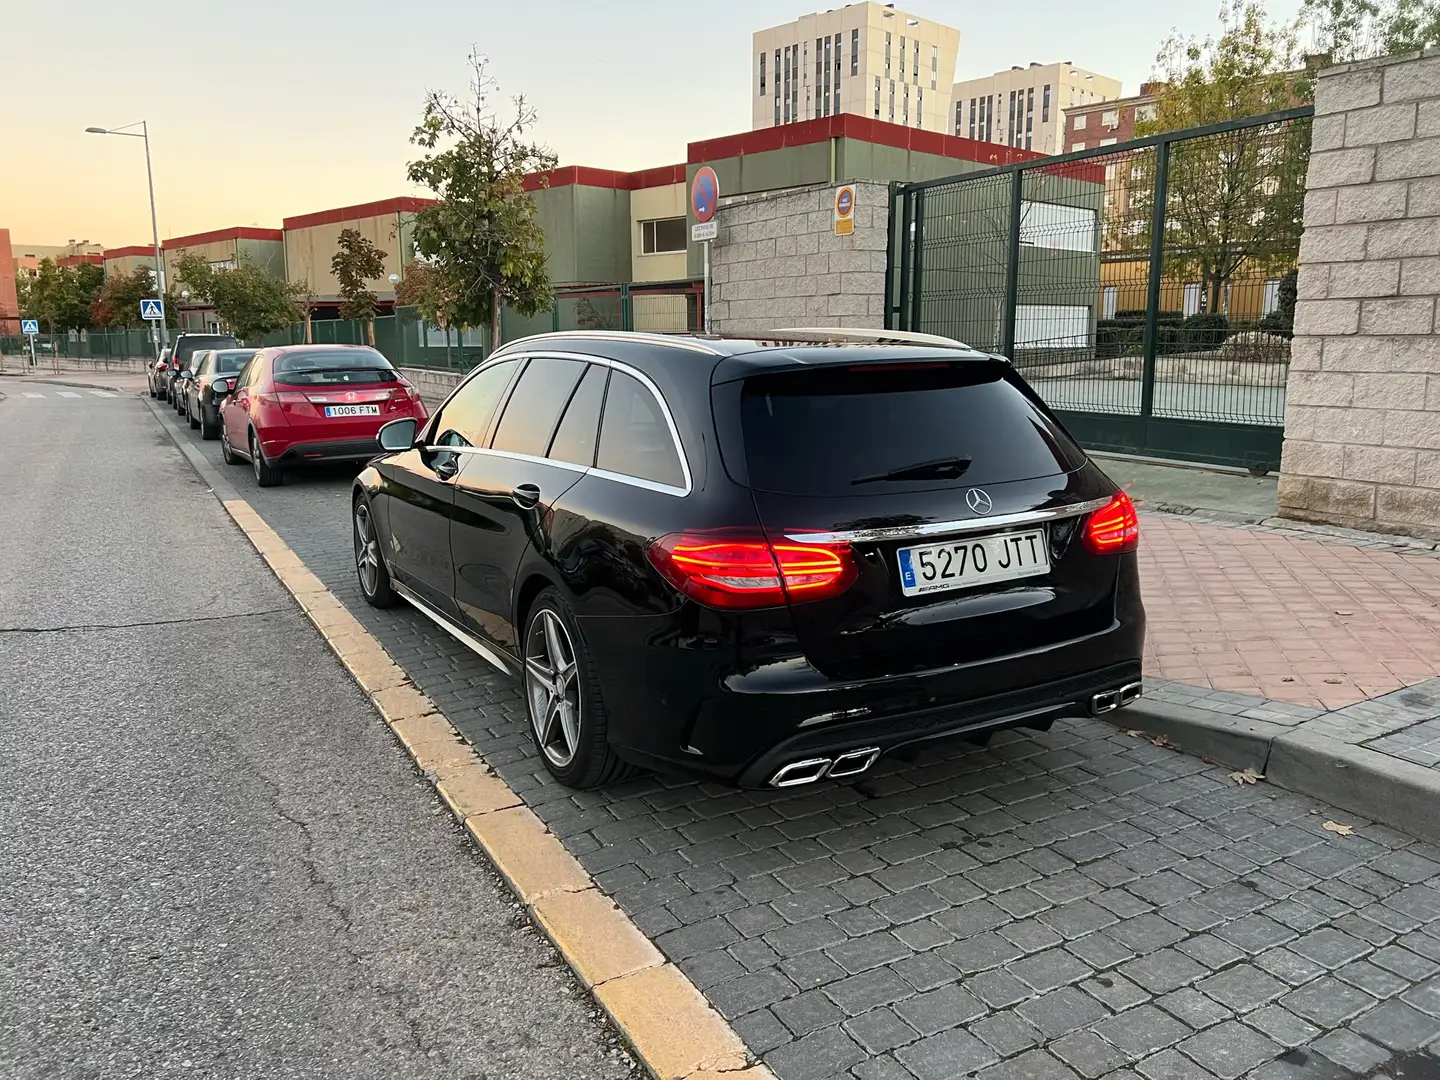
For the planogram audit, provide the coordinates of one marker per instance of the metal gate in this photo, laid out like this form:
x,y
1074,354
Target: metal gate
x,y
1145,289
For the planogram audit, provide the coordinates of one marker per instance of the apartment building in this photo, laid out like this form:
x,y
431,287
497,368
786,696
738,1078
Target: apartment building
x,y
1108,122
1025,107
865,59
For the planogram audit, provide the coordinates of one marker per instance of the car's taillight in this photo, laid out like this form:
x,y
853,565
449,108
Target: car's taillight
x,y
1113,528
743,569
282,397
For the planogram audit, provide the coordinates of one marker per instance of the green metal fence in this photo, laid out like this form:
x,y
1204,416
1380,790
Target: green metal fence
x,y
1145,289
407,340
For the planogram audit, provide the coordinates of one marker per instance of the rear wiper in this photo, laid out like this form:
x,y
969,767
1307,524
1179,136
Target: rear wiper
x,y
330,370
939,469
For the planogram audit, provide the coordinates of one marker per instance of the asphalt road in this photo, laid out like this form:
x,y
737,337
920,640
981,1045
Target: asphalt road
x,y
215,861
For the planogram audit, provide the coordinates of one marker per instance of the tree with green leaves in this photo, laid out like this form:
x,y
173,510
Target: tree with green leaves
x,y
355,264
1235,198
118,304
1347,30
61,297
248,301
481,236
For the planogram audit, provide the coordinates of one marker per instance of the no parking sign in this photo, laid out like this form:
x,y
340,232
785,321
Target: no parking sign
x,y
845,210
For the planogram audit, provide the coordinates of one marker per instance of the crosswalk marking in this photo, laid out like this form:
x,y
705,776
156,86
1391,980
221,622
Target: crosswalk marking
x,y
66,393
101,393
34,395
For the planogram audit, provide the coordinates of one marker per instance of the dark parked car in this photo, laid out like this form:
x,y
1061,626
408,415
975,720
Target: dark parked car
x,y
762,562
216,371
183,351
157,373
303,404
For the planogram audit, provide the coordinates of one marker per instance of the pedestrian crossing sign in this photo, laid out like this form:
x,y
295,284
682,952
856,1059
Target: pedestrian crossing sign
x,y
30,326
152,309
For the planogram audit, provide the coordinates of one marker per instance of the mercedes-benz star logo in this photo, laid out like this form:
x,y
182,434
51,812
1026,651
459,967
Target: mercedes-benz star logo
x,y
978,501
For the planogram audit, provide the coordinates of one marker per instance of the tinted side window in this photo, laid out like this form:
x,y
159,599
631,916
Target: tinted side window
x,y
466,417
535,405
580,426
634,438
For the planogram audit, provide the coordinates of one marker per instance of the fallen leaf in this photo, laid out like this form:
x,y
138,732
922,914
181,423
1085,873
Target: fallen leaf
x,y
1134,734
1161,740
1344,613
1288,678
1205,758
1247,776
1335,827
1333,682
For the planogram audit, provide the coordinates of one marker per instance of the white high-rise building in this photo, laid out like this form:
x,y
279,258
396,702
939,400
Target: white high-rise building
x,y
866,59
1025,107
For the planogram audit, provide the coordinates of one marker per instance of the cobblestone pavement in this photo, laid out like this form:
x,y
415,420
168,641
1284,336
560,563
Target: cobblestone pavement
x,y
1272,613
1077,903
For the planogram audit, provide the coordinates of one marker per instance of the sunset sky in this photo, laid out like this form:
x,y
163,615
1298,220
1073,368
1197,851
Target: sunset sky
x,y
266,109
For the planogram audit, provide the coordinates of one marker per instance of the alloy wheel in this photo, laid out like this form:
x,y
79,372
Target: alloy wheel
x,y
255,456
552,686
367,550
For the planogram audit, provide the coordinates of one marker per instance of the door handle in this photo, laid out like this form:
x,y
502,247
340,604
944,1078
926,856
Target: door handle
x,y
526,496
447,467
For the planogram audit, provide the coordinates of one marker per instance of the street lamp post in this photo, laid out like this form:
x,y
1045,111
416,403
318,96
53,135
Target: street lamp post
x,y
163,338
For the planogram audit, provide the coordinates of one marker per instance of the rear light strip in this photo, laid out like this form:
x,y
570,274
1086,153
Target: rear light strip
x,y
1114,528
744,569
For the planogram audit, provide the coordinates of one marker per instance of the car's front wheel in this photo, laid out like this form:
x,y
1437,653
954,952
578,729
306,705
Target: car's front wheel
x,y
266,475
369,564
562,697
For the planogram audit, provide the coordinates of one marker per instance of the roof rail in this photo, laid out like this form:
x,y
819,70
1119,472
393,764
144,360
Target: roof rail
x,y
863,335
675,340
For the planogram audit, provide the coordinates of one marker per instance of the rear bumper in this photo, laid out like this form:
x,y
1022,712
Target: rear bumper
x,y
702,713
328,450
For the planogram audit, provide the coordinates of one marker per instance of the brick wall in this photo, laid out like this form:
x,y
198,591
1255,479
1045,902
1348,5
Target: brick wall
x,y
778,263
1362,418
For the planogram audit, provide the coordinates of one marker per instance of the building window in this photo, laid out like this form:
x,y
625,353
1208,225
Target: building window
x,y
959,105
887,54
877,97
919,106
854,52
826,109
892,102
902,58
915,61
1045,105
787,84
836,103
795,85
1144,113
664,236
1076,146
1012,118
972,118
1110,118
820,43
1078,124
762,74
934,65
1108,142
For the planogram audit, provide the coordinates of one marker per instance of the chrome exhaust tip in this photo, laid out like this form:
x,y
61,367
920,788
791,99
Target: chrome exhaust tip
x,y
1109,701
1131,692
800,772
853,762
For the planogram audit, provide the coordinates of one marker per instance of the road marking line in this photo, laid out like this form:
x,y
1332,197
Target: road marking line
x,y
29,395
668,1023
101,393
66,393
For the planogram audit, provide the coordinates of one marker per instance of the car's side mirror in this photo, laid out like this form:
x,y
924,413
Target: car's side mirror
x,y
398,434
185,373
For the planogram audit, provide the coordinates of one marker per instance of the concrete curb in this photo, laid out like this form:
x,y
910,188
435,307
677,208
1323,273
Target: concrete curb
x,y
53,381
1377,786
655,1007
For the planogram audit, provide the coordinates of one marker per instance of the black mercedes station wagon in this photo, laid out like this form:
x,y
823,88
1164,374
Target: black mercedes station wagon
x,y
766,562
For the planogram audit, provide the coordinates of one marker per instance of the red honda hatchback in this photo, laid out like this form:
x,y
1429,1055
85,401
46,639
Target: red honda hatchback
x,y
302,404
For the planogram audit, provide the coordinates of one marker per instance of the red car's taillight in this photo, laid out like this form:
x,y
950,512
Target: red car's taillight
x,y
743,569
1114,528
282,397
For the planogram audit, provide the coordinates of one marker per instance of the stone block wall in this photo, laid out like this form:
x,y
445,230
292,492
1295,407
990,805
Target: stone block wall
x,y
1362,417
777,262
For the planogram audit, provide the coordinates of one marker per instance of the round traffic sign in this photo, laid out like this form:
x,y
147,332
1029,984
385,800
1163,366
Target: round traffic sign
x,y
844,202
704,194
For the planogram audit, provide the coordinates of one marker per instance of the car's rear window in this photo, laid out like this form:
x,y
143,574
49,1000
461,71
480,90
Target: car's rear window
x,y
323,367
882,428
228,363
187,347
